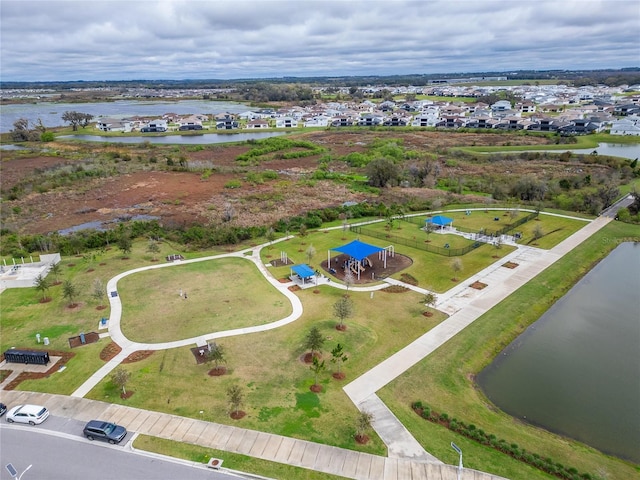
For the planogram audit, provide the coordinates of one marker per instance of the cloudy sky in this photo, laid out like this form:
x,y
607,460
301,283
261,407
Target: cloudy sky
x,y
179,39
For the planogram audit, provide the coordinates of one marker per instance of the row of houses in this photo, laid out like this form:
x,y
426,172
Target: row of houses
x,y
525,115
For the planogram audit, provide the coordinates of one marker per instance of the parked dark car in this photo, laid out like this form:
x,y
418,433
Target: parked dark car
x,y
107,431
3,408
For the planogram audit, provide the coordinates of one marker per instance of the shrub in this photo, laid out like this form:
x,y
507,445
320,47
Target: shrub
x,y
233,184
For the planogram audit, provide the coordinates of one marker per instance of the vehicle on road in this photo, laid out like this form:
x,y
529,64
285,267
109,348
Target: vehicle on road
x,y
31,414
107,431
3,409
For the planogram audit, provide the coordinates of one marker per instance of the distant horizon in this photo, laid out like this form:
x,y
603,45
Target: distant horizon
x,y
442,75
111,40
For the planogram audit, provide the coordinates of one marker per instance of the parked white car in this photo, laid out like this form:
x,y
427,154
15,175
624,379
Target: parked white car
x,y
31,414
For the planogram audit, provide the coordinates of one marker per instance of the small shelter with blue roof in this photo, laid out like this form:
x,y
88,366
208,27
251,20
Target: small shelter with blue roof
x,y
440,221
302,274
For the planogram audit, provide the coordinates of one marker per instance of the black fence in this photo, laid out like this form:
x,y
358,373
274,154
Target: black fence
x,y
26,357
418,244
486,232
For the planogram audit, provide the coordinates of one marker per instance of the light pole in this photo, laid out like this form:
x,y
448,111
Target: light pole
x,y
457,449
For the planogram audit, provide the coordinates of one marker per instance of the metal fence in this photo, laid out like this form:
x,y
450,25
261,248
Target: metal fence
x,y
418,244
488,232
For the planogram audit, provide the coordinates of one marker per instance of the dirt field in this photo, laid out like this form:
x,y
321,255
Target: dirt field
x,y
180,198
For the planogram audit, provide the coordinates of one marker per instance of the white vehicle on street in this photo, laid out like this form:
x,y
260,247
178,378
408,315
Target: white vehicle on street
x,y
31,414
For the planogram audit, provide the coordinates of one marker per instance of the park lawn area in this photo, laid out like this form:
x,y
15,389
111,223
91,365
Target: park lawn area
x,y
275,381
233,461
452,367
553,229
218,299
412,233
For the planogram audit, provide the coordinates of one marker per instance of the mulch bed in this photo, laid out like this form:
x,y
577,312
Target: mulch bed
x,y
338,376
395,289
91,337
410,279
294,288
395,264
308,359
127,395
110,351
478,285
362,439
200,359
316,388
510,265
238,414
137,356
427,314
341,328
65,357
217,371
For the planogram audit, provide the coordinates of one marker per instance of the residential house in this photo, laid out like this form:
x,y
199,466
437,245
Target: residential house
x,y
155,126
286,122
192,122
370,120
626,126
114,125
257,123
226,121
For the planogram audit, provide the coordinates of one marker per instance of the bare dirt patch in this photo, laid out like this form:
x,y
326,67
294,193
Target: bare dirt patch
x,y
510,265
137,356
91,337
478,285
110,351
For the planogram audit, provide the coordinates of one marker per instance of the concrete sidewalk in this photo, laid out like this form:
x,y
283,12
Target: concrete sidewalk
x,y
266,446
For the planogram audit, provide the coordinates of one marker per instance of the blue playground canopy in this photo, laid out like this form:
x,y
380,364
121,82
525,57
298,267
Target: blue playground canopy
x,y
304,270
440,220
358,249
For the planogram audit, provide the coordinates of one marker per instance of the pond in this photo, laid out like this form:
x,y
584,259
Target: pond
x,y
191,139
51,113
576,371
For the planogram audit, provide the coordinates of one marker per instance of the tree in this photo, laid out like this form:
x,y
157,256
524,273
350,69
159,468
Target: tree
x,y
343,309
216,354
430,299
538,233
235,397
349,279
98,290
42,284
55,270
21,131
303,230
314,341
456,266
338,357
125,243
70,292
76,119
310,253
429,228
382,172
153,248
121,377
363,424
317,368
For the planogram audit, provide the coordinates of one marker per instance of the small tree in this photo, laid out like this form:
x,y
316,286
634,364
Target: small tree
x,y
314,341
216,354
538,233
42,284
310,253
70,292
456,266
55,270
349,279
317,368
271,235
235,396
153,248
98,291
343,309
121,377
338,357
429,228
430,300
125,243
363,424
302,231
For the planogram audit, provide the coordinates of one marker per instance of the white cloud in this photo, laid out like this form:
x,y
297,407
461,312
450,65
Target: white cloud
x,y
71,40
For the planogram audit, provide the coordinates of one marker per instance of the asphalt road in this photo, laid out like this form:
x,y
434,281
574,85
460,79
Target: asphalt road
x,y
57,455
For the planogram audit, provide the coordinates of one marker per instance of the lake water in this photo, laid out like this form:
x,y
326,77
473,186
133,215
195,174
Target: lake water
x,y
51,113
200,139
576,371
613,149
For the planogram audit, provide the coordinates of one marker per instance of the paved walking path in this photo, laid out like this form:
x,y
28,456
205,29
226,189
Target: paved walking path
x,y
266,446
407,458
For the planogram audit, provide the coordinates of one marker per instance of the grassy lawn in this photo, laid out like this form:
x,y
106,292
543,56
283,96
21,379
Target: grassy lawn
x,y
275,381
233,461
451,369
215,289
